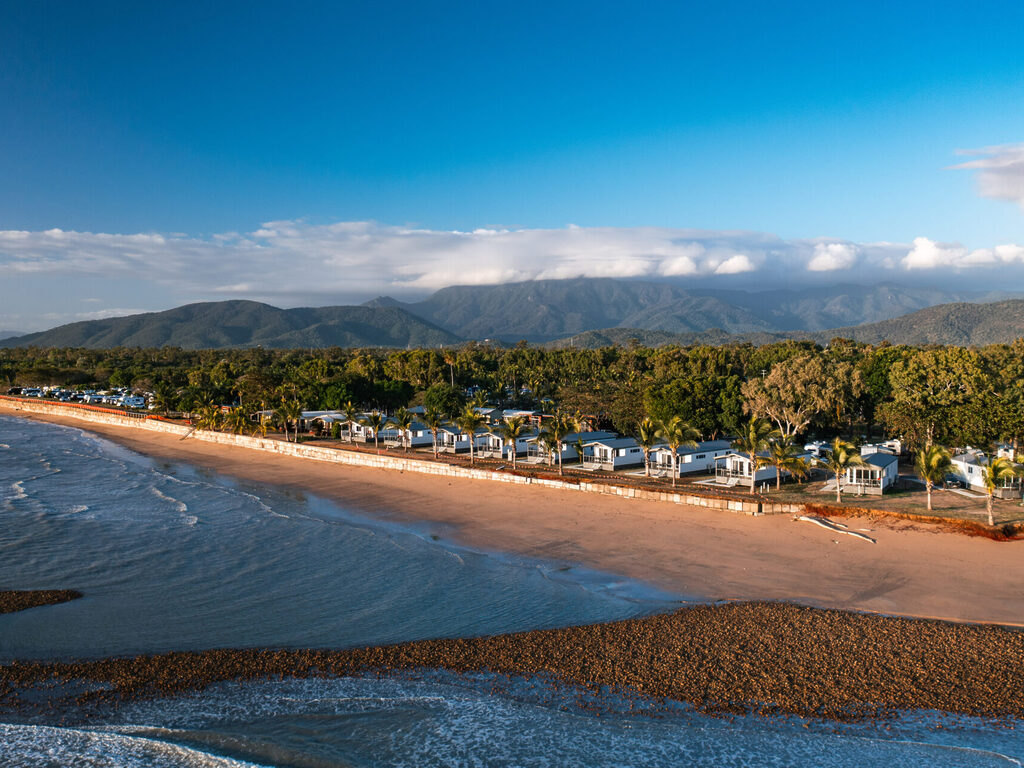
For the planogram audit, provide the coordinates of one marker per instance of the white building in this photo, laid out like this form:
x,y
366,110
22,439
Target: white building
x,y
417,436
613,453
968,469
567,448
734,469
493,445
691,460
881,472
453,439
891,447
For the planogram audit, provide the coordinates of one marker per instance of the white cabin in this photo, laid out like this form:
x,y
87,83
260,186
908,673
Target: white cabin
x,y
493,445
968,469
882,471
452,439
613,453
691,460
734,469
417,436
567,447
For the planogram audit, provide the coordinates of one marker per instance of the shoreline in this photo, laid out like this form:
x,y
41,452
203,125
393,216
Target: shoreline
x,y
739,658
14,600
693,552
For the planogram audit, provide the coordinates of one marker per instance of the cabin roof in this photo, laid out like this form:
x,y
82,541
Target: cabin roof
x,y
880,459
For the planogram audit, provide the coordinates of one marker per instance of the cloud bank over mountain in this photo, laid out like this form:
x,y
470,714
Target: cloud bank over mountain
x,y
296,262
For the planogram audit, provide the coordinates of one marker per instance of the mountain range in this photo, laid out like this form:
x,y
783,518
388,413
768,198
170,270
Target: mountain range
x,y
584,312
545,310
246,324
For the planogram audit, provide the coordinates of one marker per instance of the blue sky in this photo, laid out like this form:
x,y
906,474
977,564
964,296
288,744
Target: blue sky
x,y
197,121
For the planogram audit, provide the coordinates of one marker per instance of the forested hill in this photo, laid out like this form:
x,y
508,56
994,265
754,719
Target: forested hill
x,y
545,310
222,324
958,324
596,313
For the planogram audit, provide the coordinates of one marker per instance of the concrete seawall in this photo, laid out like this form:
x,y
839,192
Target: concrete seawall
x,y
395,463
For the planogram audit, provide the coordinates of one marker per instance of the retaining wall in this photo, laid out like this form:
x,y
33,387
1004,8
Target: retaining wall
x,y
401,463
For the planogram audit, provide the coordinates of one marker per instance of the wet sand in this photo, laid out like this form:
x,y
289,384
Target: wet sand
x,y
912,570
769,658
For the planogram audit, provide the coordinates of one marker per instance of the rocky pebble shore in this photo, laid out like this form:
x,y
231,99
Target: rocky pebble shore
x,y
20,600
772,658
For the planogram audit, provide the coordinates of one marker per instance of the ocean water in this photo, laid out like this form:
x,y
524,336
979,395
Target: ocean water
x,y
172,556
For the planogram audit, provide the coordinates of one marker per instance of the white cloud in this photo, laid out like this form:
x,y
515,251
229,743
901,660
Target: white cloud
x,y
829,257
364,257
735,265
1000,171
293,262
928,254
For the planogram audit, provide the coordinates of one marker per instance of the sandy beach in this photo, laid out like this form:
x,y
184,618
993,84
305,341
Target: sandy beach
x,y
912,570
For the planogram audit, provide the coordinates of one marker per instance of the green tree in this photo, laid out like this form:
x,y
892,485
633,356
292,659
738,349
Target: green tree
x,y
444,399
511,431
209,417
785,457
434,421
647,438
792,393
755,436
994,474
288,413
554,432
352,416
403,421
841,457
932,463
237,420
677,433
469,422
932,390
374,421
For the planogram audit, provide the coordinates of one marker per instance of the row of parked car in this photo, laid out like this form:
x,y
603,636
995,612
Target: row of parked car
x,y
118,398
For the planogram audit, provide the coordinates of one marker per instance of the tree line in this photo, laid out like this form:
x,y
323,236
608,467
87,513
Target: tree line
x,y
944,395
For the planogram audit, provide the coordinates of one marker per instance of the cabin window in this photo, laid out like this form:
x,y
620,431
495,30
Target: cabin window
x,y
702,456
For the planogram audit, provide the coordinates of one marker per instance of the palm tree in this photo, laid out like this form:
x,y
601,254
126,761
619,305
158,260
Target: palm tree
x,y
259,428
433,420
450,359
163,398
754,437
375,421
469,422
556,430
785,456
933,463
841,457
351,416
511,430
209,417
287,412
237,420
994,474
581,449
647,438
547,440
677,433
403,421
